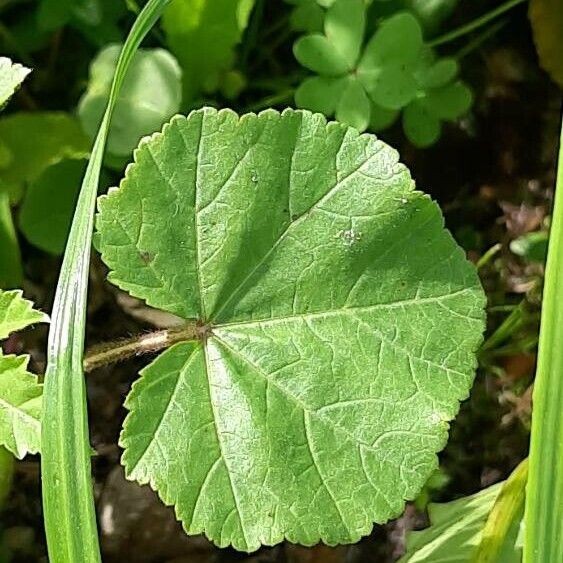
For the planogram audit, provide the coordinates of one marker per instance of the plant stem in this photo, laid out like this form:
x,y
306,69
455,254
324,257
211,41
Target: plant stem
x,y
544,493
475,24
484,36
112,352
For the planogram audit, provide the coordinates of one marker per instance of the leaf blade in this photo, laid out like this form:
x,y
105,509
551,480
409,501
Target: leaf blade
x,y
317,201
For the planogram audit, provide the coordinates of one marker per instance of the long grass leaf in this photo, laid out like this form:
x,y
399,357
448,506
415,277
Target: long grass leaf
x,y
68,504
544,493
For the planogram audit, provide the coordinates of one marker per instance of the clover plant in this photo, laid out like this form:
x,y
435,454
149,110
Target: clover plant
x,y
367,85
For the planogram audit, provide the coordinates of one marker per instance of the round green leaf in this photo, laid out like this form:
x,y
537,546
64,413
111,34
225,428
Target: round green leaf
x,y
337,319
318,54
397,41
388,66
354,106
437,74
47,209
421,127
307,16
449,102
381,118
393,87
150,95
320,93
344,25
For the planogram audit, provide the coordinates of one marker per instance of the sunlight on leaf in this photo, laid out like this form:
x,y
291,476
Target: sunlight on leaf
x,y
339,321
11,77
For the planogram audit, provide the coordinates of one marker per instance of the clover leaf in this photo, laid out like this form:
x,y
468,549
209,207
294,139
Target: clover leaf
x,y
151,94
439,98
331,325
369,87
20,393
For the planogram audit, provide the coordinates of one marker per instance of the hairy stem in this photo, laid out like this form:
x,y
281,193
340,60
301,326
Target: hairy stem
x,y
112,352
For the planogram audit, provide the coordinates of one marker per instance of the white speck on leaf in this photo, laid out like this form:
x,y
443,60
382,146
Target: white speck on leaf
x,y
349,236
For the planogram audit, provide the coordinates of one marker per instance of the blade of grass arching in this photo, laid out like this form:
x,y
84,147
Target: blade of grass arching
x,y
68,504
544,493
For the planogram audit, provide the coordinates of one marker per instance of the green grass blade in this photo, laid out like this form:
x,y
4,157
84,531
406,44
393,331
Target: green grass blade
x,y
504,517
69,513
544,493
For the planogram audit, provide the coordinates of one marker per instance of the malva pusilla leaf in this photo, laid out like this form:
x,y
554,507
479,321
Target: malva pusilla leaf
x,y
331,324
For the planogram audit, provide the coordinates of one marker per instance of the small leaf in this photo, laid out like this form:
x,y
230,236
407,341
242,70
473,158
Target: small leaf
x,y
32,142
354,106
344,27
318,54
11,76
338,322
422,128
307,16
48,206
387,67
320,93
202,34
437,74
381,118
20,406
546,17
449,102
17,313
150,95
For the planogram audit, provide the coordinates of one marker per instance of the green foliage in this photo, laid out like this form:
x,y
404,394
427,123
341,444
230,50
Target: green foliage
x,y
150,95
47,208
11,274
456,529
367,87
31,142
203,34
531,246
20,393
17,313
338,322
11,77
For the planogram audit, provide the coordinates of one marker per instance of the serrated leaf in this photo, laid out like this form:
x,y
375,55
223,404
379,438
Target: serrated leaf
x,y
48,206
31,142
344,26
546,17
318,54
20,406
17,313
11,77
151,94
202,34
338,322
